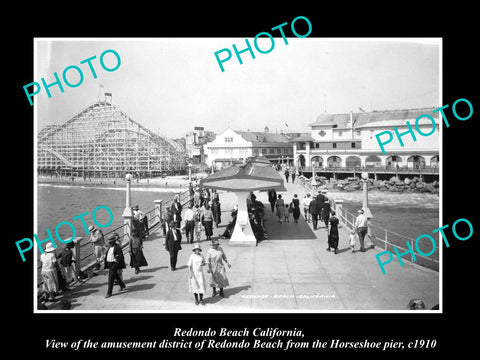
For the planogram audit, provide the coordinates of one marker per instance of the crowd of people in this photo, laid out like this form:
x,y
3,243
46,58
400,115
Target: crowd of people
x,y
202,214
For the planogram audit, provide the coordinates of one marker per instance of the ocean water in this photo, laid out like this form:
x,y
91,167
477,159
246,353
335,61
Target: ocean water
x,y
57,203
409,214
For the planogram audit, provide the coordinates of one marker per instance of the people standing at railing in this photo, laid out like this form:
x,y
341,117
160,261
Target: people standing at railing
x,y
140,216
361,227
137,258
189,223
67,261
306,207
114,261
172,244
333,236
49,272
97,240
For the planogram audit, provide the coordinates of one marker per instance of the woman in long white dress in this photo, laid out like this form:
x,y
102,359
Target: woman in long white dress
x,y
215,260
196,281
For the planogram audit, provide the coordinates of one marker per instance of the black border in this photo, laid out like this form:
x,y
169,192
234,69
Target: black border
x,y
455,25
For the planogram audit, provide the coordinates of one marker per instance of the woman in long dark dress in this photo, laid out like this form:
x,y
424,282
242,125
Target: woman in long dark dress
x,y
333,233
216,210
296,208
137,259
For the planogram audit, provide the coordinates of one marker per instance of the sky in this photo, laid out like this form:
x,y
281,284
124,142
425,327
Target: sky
x,y
171,85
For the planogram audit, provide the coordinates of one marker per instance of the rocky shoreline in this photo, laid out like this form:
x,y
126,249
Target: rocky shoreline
x,y
394,184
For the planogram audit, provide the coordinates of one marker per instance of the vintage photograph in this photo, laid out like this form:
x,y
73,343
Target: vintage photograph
x,y
194,175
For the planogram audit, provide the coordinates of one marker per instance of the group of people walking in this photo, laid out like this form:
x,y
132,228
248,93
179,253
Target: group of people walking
x,y
202,213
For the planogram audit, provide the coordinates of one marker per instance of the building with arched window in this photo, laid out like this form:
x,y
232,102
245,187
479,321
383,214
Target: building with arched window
x,y
348,141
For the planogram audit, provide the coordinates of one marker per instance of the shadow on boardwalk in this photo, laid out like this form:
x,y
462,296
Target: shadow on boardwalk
x,y
290,271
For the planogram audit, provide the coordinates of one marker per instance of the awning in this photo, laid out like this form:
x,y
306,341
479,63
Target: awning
x,y
256,174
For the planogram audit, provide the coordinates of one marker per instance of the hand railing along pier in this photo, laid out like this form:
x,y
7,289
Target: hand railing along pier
x,y
81,253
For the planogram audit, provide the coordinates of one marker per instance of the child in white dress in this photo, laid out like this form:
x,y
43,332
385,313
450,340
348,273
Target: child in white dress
x,y
353,237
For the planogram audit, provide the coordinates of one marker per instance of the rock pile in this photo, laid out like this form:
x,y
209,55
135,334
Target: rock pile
x,y
394,184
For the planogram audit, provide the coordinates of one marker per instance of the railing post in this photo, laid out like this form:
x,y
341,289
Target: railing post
x,y
339,208
386,239
158,209
76,255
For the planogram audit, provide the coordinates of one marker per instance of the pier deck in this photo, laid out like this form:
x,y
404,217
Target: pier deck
x,y
291,271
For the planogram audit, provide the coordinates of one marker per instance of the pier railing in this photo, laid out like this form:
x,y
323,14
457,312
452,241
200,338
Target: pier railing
x,y
372,169
83,251
388,239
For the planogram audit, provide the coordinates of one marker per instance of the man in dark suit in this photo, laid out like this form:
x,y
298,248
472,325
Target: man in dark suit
x,y
326,209
176,210
272,198
314,209
114,261
172,244
321,200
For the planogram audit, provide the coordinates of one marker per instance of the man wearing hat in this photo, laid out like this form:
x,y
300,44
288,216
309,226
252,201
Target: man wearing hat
x,y
176,210
172,244
361,228
97,240
189,223
140,216
114,261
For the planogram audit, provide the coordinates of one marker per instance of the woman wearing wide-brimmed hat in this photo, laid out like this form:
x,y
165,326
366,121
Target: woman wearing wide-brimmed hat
x,y
215,260
196,280
49,272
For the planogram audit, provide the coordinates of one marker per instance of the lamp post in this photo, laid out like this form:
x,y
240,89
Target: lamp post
x,y
366,210
189,172
127,213
314,181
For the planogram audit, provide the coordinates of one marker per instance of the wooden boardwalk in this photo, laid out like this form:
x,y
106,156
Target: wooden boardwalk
x,y
291,271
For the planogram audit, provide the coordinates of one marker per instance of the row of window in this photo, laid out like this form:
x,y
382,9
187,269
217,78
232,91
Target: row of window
x,y
255,151
353,145
273,151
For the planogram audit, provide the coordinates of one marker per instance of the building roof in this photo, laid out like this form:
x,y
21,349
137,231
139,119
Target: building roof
x,y
263,137
303,137
362,118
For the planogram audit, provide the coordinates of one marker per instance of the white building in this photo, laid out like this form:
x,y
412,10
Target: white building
x,y
194,142
234,146
348,140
